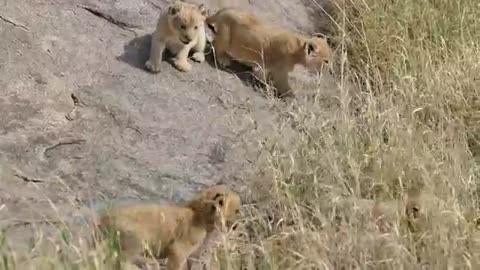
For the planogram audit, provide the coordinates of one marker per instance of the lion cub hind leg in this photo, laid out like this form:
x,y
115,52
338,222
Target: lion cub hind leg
x,y
177,256
132,249
156,53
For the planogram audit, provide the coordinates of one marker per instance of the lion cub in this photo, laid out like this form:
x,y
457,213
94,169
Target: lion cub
x,y
166,231
180,30
203,258
271,51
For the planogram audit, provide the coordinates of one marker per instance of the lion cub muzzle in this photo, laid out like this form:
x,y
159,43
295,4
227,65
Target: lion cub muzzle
x,y
185,39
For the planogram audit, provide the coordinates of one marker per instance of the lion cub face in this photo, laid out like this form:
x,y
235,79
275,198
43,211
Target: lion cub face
x,y
317,53
212,212
228,200
187,20
231,207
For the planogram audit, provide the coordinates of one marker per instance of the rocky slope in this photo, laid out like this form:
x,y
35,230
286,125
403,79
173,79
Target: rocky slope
x,y
81,121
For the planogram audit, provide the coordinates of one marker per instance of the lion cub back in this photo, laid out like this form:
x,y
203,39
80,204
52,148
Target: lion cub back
x,y
145,220
237,32
160,228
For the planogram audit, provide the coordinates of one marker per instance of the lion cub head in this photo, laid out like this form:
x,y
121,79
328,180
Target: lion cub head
x,y
209,213
187,20
317,53
228,200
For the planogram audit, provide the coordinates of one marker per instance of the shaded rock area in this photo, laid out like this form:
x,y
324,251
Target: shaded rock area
x,y
82,123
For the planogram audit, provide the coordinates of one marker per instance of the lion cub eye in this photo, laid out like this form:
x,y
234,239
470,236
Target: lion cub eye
x,y
183,26
196,27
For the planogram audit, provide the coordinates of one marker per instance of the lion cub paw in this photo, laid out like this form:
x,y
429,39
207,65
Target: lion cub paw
x,y
183,65
224,61
154,68
198,57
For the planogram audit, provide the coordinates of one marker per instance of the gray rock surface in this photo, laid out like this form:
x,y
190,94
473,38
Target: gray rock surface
x,y
81,121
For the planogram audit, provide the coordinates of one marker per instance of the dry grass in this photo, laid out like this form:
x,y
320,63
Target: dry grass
x,y
406,118
410,123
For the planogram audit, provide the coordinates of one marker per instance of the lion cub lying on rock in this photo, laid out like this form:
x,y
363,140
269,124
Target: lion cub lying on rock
x,y
165,231
180,30
271,51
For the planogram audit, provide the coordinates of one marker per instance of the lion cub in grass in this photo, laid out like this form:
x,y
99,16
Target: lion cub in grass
x,y
180,29
162,231
413,210
272,52
203,257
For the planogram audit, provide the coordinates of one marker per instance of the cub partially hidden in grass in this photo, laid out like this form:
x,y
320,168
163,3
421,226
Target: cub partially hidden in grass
x,y
162,231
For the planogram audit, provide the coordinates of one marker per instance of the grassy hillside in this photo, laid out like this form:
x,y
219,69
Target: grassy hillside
x,y
409,124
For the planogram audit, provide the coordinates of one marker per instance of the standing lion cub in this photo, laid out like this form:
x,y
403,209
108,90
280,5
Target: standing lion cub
x,y
181,29
271,51
163,231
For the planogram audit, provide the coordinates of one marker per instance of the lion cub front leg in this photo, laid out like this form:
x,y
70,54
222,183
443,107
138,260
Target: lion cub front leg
x,y
261,74
199,48
156,52
181,59
280,81
223,59
221,55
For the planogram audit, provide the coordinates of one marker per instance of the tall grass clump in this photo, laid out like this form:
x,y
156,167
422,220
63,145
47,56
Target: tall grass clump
x,y
406,121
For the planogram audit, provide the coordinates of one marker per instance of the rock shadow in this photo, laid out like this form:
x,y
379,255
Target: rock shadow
x,y
137,51
243,72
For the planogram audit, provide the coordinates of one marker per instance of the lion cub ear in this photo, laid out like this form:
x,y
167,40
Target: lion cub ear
x,y
216,205
310,48
219,199
212,27
175,8
217,195
203,9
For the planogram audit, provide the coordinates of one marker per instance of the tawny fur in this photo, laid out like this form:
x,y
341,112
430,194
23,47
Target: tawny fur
x,y
163,231
272,51
412,210
180,29
203,258
231,209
